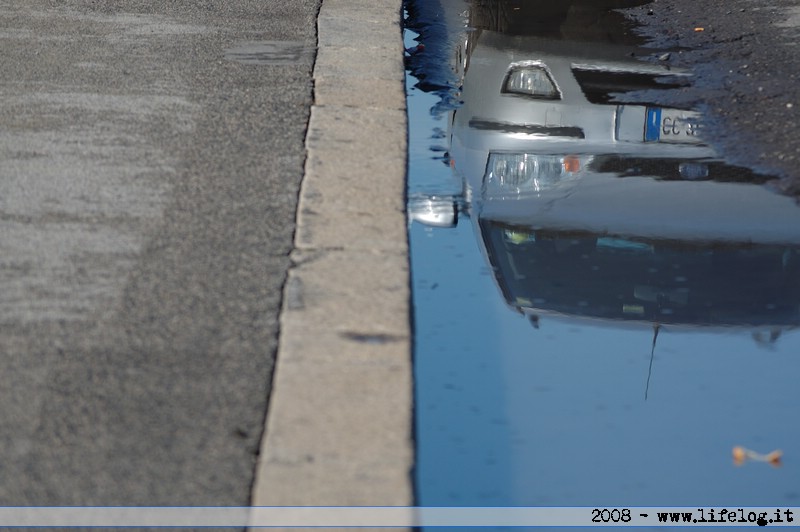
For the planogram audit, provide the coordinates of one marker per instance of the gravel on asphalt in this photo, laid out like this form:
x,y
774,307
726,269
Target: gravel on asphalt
x,y
745,58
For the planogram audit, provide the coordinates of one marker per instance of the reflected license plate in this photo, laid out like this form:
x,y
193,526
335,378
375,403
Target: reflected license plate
x,y
671,125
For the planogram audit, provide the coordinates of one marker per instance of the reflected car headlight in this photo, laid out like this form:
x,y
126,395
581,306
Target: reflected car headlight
x,y
532,80
515,173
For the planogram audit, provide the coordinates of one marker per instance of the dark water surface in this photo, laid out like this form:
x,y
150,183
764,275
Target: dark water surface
x,y
603,307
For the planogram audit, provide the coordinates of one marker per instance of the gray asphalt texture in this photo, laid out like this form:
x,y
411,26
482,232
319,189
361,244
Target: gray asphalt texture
x,y
150,159
747,75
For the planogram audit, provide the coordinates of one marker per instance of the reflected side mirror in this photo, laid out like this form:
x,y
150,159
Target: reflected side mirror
x,y
434,211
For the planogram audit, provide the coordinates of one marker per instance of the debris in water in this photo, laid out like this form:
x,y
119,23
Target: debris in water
x,y
740,455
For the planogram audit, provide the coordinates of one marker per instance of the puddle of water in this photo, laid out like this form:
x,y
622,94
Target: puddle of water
x,y
604,308
270,52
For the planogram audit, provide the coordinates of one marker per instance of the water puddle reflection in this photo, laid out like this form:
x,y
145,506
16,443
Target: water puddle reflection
x,y
604,308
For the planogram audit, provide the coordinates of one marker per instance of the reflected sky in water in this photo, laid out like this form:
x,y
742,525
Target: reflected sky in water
x,y
527,402
512,415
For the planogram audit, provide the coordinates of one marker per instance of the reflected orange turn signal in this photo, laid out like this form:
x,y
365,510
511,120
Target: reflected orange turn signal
x,y
572,164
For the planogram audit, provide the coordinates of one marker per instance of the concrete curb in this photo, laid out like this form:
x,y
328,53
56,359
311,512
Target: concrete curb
x,y
339,427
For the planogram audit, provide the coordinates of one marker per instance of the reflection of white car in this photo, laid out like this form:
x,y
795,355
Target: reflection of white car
x,y
517,90
590,208
557,89
537,141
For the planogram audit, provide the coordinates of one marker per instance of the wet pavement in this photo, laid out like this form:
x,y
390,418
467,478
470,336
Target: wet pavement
x,y
746,67
605,305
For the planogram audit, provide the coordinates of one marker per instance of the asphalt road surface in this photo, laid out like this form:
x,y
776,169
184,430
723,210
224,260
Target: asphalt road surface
x,y
747,75
150,158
